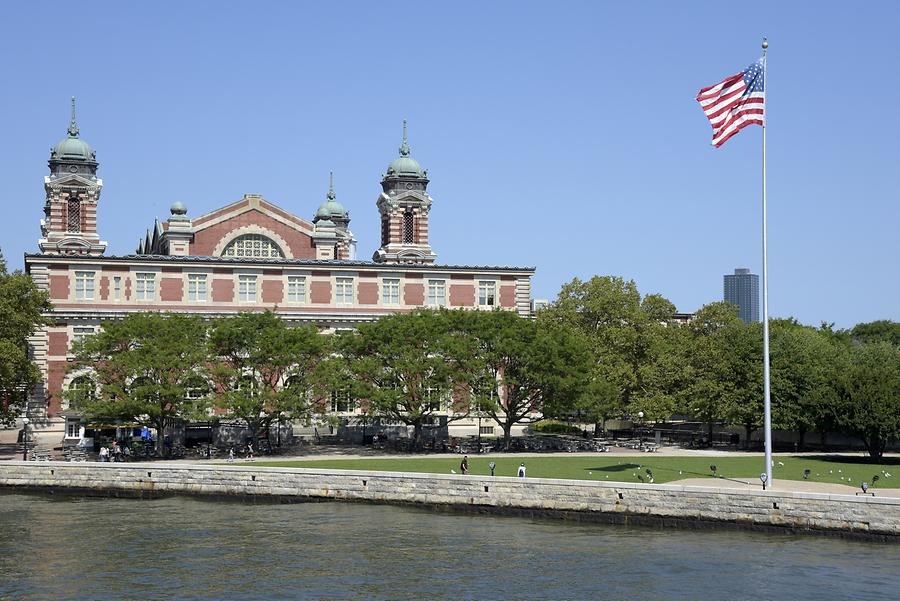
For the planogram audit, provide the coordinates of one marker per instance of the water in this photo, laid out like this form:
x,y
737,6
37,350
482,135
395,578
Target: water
x,y
193,549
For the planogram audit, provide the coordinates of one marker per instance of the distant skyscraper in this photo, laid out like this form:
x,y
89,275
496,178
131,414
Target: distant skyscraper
x,y
742,289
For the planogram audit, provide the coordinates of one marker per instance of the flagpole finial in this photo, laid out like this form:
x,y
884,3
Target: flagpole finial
x,y
765,43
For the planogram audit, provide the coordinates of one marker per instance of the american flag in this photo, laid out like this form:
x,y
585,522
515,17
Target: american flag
x,y
734,103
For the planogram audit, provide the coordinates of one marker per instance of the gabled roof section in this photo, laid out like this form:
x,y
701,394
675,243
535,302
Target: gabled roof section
x,y
252,202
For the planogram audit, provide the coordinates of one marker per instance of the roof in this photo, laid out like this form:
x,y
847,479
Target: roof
x,y
281,261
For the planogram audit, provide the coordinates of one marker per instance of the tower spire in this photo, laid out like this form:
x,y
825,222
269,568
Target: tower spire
x,y
331,185
404,147
73,127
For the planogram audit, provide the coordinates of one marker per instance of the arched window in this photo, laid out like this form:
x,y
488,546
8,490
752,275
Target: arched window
x,y
82,390
73,214
253,246
409,228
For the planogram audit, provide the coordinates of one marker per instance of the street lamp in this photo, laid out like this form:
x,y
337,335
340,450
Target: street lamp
x,y
641,428
25,422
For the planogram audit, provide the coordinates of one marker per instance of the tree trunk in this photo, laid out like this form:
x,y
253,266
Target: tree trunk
x,y
801,432
507,434
749,429
417,435
709,439
160,438
875,446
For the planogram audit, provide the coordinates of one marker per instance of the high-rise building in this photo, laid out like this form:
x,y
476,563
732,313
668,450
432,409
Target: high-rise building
x,y
742,289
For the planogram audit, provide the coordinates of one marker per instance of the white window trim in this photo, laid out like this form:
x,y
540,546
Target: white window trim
x,y
382,289
287,288
92,280
353,286
478,283
206,287
257,285
443,280
155,280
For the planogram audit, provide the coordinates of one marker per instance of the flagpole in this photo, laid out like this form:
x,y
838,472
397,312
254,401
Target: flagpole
x,y
767,422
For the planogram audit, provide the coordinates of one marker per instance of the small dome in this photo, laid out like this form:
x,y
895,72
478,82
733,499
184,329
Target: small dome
x,y
73,149
331,208
178,208
405,165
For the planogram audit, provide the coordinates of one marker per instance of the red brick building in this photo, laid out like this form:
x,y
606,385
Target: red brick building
x,y
250,255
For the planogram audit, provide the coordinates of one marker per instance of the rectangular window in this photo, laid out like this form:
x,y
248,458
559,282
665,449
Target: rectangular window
x,y
486,430
390,291
437,293
145,286
487,294
117,288
196,287
79,333
247,288
341,402
84,285
73,429
296,289
343,291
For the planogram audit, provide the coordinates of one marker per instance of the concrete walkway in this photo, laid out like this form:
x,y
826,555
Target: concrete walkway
x,y
786,486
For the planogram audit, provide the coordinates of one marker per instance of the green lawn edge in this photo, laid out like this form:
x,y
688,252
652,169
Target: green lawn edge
x,y
823,468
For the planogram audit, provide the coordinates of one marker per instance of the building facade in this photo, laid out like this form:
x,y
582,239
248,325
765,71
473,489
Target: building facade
x,y
742,289
250,255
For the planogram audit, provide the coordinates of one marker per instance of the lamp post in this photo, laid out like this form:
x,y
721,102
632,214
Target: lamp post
x,y
641,428
25,422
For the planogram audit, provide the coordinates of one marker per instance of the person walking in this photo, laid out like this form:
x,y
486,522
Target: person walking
x,y
464,465
104,454
521,473
231,455
249,451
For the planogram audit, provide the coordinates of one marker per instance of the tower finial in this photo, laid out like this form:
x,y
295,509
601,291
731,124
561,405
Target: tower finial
x,y
330,185
73,127
404,147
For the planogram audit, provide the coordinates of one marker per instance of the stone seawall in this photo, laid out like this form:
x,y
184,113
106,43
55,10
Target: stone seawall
x,y
603,501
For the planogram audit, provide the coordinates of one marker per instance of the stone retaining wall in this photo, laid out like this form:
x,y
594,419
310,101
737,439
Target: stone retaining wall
x,y
610,501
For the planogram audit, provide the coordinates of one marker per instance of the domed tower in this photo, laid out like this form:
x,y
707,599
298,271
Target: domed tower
x,y
332,222
72,193
404,205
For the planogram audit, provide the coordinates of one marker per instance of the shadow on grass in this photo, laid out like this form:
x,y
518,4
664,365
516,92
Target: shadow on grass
x,y
613,468
857,460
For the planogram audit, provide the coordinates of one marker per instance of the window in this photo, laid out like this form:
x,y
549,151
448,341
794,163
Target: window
x,y
73,428
253,246
247,288
390,291
341,401
73,214
84,285
486,430
437,293
296,288
196,287
81,391
409,228
432,401
487,294
79,333
145,286
117,288
343,292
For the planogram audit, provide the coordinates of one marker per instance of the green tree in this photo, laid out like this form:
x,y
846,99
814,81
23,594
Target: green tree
x,y
263,369
407,366
883,330
868,396
525,366
706,356
803,361
23,309
630,338
143,366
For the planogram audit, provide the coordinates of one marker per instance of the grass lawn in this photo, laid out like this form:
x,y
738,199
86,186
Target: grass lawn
x,y
823,468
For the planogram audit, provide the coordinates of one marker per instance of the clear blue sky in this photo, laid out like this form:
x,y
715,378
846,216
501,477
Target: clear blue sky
x,y
562,135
